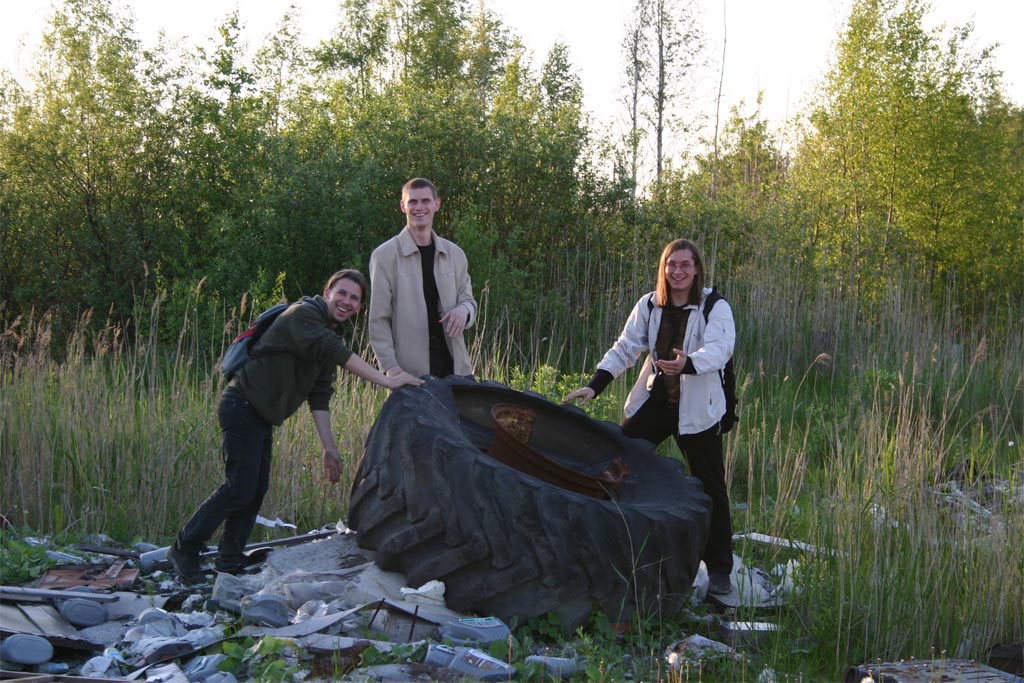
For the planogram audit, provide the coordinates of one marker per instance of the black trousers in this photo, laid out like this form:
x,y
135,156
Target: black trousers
x,y
656,420
246,448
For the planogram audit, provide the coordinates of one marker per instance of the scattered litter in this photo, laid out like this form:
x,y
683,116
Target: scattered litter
x,y
927,671
431,593
202,668
482,666
751,587
267,609
562,665
474,631
274,524
83,613
693,650
166,673
776,541
101,667
334,608
881,517
747,633
24,648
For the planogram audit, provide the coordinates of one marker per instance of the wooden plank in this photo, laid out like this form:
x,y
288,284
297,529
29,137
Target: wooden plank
x,y
25,676
13,620
14,592
103,550
114,570
49,620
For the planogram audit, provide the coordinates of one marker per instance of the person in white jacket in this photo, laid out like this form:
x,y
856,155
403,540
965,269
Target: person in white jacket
x,y
679,391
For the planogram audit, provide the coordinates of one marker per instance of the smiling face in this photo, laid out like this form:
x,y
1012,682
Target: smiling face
x,y
419,206
344,299
680,270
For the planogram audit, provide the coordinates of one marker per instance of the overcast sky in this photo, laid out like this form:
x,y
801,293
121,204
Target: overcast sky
x,y
778,46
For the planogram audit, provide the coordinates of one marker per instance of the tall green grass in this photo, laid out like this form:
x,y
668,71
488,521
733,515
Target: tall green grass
x,y
855,419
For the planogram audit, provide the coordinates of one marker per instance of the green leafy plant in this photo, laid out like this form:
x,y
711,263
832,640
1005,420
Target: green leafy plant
x,y
21,562
261,660
371,656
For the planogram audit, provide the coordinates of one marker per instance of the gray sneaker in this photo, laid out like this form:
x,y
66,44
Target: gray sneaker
x,y
719,584
186,565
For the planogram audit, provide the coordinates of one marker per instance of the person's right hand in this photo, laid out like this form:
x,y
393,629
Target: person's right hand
x,y
585,395
402,379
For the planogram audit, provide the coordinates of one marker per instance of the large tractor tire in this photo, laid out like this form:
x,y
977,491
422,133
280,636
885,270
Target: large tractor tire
x,y
433,504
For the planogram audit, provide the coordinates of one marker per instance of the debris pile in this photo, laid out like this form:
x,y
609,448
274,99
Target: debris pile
x,y
310,607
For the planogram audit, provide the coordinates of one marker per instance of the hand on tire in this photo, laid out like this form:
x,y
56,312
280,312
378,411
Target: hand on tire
x,y
585,395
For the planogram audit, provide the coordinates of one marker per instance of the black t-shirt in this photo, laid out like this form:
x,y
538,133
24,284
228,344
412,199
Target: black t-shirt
x,y
441,363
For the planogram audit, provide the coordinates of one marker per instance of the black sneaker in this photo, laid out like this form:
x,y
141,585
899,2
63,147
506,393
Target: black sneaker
x,y
186,565
719,584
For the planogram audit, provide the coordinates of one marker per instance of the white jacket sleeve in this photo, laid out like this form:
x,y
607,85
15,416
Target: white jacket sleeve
x,y
633,341
719,340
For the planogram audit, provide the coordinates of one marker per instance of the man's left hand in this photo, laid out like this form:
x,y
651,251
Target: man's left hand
x,y
455,320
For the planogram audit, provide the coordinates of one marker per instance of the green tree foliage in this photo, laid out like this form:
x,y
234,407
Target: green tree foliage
x,y
731,198
85,169
127,172
901,168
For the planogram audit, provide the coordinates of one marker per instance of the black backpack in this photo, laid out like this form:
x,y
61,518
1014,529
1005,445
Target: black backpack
x,y
726,374
240,350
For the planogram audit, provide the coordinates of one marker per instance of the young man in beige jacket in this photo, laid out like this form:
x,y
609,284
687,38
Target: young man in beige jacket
x,y
422,298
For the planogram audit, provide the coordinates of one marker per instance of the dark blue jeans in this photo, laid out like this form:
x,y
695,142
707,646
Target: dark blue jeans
x,y
246,440
704,457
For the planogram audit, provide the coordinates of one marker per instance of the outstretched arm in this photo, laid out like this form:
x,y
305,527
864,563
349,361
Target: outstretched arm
x,y
360,368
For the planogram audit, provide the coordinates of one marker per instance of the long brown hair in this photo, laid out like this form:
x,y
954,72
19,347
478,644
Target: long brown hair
x,y
697,290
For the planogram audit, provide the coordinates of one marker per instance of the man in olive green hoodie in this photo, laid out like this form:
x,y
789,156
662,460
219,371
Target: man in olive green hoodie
x,y
295,361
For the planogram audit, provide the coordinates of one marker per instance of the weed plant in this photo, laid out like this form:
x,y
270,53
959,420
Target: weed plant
x,y
888,438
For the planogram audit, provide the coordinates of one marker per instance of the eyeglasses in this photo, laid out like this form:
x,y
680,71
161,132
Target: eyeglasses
x,y
682,265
